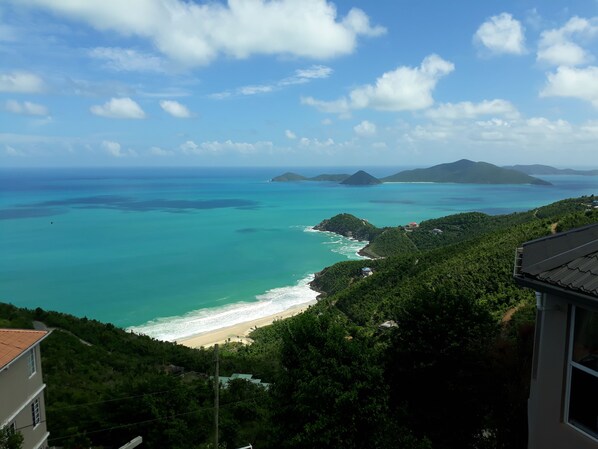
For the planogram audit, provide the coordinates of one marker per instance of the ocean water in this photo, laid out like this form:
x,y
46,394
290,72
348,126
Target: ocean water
x,y
178,251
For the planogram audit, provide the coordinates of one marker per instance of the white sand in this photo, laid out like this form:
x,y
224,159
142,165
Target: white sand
x,y
239,332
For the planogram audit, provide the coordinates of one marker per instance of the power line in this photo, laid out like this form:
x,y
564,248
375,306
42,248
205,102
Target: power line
x,y
112,400
121,426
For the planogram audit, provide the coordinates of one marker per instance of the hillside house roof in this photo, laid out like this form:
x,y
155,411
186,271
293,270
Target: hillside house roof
x,y
565,264
14,342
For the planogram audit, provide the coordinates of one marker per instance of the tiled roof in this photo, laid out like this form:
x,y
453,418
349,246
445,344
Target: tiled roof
x,y
14,342
567,262
580,274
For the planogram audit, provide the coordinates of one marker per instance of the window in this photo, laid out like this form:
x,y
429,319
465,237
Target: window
x,y
31,362
35,416
582,407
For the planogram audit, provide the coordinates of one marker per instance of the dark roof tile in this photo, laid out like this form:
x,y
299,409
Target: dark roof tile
x,y
580,274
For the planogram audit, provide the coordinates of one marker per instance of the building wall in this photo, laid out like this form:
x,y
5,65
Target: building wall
x,y
18,390
547,429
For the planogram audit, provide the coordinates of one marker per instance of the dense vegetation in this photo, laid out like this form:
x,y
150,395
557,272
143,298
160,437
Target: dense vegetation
x,y
349,226
452,373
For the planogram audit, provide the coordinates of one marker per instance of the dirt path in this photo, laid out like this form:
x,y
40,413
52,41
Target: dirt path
x,y
40,326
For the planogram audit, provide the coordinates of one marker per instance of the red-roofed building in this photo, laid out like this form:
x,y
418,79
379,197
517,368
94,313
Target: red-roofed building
x,y
22,405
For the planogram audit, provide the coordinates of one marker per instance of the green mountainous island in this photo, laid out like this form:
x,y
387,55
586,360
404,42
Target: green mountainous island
x,y
537,169
361,178
435,336
462,171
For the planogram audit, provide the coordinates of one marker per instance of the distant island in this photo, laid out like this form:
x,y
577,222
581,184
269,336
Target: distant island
x,y
537,169
290,177
361,178
463,172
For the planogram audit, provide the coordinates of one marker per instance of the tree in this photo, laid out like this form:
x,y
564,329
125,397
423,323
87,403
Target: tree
x,y
439,365
331,392
10,438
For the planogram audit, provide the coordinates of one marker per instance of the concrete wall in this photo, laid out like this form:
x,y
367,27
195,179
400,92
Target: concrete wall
x,y
17,390
547,429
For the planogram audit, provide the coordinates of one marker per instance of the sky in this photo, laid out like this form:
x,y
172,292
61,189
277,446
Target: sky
x,y
298,82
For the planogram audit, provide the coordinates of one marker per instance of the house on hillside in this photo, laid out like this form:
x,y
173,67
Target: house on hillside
x,y
22,405
366,272
225,381
563,401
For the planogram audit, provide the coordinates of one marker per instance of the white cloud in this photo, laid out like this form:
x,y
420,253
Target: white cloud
x,y
189,147
329,147
215,147
340,106
535,133
573,82
316,143
290,134
13,152
175,109
252,90
557,46
313,72
301,76
195,34
469,110
563,53
327,121
157,151
365,128
119,108
127,60
502,34
403,89
112,148
21,82
26,108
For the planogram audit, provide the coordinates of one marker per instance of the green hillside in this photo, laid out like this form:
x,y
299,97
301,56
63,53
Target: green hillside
x,y
289,177
361,178
465,171
348,225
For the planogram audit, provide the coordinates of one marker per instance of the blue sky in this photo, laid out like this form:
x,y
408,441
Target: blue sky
x,y
297,82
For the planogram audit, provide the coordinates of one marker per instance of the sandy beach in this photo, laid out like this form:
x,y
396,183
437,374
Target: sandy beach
x,y
239,332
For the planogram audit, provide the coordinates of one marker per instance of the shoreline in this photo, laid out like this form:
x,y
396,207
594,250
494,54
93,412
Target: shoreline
x,y
240,332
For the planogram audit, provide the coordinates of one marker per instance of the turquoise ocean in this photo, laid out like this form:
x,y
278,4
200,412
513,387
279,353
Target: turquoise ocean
x,y
173,252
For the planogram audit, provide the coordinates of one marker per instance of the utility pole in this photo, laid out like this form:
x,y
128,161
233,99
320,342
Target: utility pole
x,y
216,396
